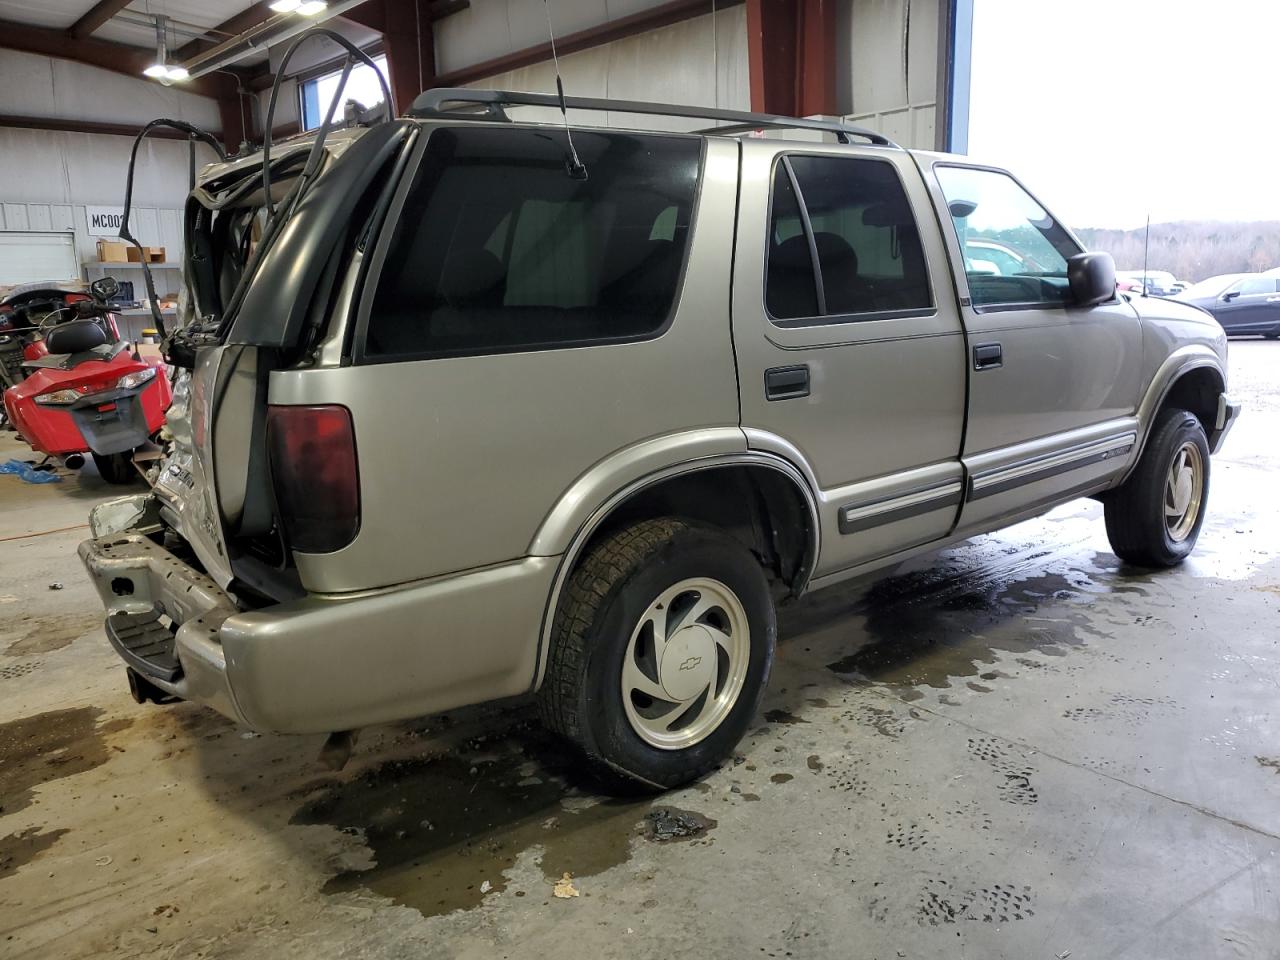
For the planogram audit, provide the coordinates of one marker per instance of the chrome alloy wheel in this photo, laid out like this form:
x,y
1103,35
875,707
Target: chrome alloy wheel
x,y
1183,492
685,663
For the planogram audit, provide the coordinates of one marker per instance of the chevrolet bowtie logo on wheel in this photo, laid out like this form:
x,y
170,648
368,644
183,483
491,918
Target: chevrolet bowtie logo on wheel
x,y
690,663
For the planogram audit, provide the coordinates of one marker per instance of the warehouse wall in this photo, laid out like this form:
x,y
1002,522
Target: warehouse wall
x,y
47,177
887,63
699,61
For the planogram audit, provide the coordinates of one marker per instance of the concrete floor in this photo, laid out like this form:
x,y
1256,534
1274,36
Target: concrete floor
x,y
1015,748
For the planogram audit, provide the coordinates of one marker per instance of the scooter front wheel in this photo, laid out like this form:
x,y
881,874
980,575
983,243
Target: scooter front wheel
x,y
116,467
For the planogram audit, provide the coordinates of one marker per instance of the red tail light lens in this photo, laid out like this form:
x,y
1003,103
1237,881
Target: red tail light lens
x,y
316,476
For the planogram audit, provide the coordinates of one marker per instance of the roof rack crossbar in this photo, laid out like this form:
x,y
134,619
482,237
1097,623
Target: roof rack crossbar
x,y
434,103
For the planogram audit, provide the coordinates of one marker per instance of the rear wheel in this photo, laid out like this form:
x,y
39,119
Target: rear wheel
x,y
116,467
1154,519
660,651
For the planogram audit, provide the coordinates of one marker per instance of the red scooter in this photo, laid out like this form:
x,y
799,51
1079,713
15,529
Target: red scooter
x,y
83,389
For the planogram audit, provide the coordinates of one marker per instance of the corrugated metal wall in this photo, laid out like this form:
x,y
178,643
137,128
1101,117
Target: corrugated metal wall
x,y
47,177
887,58
699,61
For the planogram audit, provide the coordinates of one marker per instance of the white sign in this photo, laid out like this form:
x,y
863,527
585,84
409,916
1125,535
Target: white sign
x,y
104,221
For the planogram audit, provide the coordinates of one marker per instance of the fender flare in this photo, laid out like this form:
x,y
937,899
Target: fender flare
x,y
611,503
1175,366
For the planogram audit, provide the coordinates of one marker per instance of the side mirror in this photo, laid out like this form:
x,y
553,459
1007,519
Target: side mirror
x,y
1092,278
1230,295
104,288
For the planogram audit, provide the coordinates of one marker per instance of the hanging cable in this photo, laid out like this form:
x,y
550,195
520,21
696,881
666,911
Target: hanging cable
x,y
575,167
194,134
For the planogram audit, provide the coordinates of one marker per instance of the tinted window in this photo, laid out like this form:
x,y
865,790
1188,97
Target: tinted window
x,y
790,290
498,248
862,228
1256,285
1014,251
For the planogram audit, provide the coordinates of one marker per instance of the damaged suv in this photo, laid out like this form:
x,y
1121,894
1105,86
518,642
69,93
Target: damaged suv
x,y
482,410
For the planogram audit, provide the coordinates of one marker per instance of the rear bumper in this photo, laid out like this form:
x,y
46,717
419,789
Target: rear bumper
x,y
1228,413
332,662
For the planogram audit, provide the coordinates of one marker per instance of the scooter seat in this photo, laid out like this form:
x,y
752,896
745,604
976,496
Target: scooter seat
x,y
77,336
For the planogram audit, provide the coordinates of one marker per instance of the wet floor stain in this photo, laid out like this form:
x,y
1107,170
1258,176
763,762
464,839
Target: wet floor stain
x,y
1272,762
19,849
954,621
43,634
782,716
781,778
49,746
814,763
442,831
663,824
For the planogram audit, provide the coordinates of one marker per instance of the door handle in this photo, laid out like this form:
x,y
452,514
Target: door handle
x,y
786,383
987,356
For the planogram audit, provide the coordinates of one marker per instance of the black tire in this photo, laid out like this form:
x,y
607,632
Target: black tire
x,y
1135,512
116,468
603,600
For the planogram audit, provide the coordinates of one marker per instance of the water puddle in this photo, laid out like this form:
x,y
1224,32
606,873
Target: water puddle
x,y
442,831
43,634
954,620
49,746
19,849
782,716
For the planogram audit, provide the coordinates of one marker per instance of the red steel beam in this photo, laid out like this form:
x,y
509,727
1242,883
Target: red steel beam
x,y
86,126
242,21
816,65
97,15
409,41
772,55
668,13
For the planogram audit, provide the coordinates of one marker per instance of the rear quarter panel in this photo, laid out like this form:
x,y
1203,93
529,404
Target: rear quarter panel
x,y
461,459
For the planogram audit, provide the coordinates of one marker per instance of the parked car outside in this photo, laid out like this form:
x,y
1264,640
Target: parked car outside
x,y
501,413
1246,304
1157,283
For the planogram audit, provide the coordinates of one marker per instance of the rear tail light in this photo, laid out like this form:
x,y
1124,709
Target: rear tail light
x,y
316,476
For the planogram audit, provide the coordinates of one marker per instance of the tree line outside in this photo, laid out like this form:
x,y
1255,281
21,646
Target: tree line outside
x,y
1192,250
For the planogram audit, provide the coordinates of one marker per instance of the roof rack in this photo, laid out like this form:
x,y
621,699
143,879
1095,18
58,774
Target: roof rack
x,y
489,104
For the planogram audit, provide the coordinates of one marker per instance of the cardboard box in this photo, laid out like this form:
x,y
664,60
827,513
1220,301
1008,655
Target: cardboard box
x,y
146,254
112,251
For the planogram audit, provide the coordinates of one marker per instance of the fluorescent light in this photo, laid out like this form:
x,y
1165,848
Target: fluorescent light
x,y
285,6
310,8
177,73
156,70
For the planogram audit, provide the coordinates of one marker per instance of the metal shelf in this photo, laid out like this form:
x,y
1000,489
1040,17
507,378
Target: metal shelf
x,y
131,265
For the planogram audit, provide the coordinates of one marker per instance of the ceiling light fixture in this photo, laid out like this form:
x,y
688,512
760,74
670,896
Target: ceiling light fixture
x,y
285,6
161,70
311,8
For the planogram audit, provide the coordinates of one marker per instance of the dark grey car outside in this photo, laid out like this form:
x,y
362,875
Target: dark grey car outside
x,y
1244,303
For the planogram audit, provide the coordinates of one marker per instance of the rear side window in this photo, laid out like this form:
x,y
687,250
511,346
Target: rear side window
x,y
499,249
843,242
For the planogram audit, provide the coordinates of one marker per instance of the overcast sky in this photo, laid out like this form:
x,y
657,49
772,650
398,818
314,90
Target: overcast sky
x,y
1112,109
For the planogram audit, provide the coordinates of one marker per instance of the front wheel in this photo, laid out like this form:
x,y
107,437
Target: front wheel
x,y
660,651
1154,519
116,467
